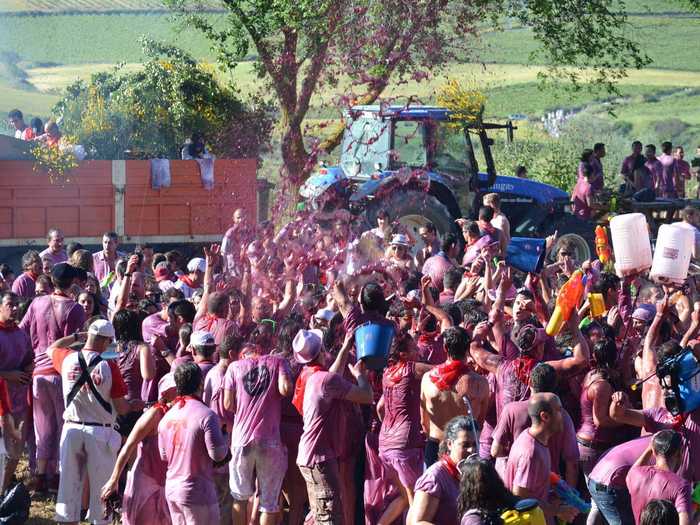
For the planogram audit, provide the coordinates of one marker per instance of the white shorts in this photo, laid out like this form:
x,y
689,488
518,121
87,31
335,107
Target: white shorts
x,y
266,463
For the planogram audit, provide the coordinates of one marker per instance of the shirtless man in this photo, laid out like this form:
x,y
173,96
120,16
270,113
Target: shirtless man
x,y
443,391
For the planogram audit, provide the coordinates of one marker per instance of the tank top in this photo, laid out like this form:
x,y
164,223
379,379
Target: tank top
x,y
588,429
401,428
130,368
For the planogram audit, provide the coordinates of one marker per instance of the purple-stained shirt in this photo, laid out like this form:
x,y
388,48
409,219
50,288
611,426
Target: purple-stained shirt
x,y
580,197
258,400
49,318
437,482
101,265
189,439
528,466
627,167
668,175
216,326
659,418
55,258
24,285
16,354
657,171
514,420
154,326
323,393
436,267
357,318
597,178
613,466
213,394
401,427
646,483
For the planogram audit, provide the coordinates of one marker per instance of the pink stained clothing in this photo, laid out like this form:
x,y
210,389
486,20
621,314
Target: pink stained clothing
x,y
254,382
378,490
683,174
647,482
357,318
446,296
129,361
597,178
16,354
55,258
155,326
627,167
24,285
602,437
431,350
101,265
439,483
144,496
613,466
47,410
401,426
508,387
323,392
514,420
213,394
436,267
193,514
49,318
474,250
407,464
656,169
669,172
217,326
528,466
189,438
580,197
659,418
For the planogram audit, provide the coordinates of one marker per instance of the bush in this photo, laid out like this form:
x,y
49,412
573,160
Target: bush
x,y
670,129
150,113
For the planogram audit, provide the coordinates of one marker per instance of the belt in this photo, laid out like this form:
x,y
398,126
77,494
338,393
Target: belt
x,y
601,447
90,423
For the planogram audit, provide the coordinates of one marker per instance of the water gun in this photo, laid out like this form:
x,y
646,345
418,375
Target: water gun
x,y
107,280
602,248
568,495
696,495
525,512
569,298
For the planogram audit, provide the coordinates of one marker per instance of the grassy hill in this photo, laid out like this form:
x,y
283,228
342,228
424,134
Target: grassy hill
x,y
57,41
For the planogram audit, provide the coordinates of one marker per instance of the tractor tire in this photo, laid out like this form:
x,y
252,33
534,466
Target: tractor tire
x,y
579,232
413,209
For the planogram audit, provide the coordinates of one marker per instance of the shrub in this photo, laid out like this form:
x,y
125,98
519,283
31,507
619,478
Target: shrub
x,y
151,112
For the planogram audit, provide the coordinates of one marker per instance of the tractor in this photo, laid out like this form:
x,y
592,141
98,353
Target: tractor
x,y
421,166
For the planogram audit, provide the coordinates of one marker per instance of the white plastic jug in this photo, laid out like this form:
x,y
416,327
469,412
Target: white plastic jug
x,y
631,244
674,247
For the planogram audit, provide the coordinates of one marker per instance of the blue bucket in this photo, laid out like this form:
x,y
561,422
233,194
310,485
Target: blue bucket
x,y
526,254
372,341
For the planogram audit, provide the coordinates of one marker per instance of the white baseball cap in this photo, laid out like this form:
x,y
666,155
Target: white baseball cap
x,y
102,327
307,344
202,338
197,265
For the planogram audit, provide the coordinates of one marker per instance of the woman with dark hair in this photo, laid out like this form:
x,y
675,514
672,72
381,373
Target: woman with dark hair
x,y
291,425
437,490
89,304
659,512
136,362
482,495
401,438
92,286
598,431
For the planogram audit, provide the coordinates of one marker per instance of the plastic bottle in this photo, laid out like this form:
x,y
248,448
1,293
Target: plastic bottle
x,y
674,248
569,297
602,247
630,241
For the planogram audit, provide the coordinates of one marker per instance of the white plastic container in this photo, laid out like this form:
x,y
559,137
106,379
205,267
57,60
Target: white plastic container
x,y
674,248
631,244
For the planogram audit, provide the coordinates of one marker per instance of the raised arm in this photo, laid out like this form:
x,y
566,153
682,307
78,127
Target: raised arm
x,y
483,358
211,255
496,315
427,299
652,393
132,266
340,296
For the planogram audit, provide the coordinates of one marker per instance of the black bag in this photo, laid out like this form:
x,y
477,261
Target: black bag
x,y
14,509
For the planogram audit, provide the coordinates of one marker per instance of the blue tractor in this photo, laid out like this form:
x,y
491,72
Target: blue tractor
x,y
421,166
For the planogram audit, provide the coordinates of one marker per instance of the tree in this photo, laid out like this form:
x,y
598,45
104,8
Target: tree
x,y
151,112
303,45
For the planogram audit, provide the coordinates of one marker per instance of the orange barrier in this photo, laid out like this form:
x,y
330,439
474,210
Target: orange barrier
x,y
117,195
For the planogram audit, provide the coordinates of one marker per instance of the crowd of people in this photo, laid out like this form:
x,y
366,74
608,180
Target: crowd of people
x,y
646,177
228,389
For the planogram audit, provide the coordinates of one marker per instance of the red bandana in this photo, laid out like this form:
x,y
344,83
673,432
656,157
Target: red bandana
x,y
396,372
187,281
679,421
450,466
300,386
33,276
181,400
444,376
9,326
426,338
523,367
210,320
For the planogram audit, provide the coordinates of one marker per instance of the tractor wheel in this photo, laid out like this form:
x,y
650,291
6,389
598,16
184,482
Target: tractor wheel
x,y
413,209
578,232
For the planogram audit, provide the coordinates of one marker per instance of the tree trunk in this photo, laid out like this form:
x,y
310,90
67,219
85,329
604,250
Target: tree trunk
x,y
297,164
